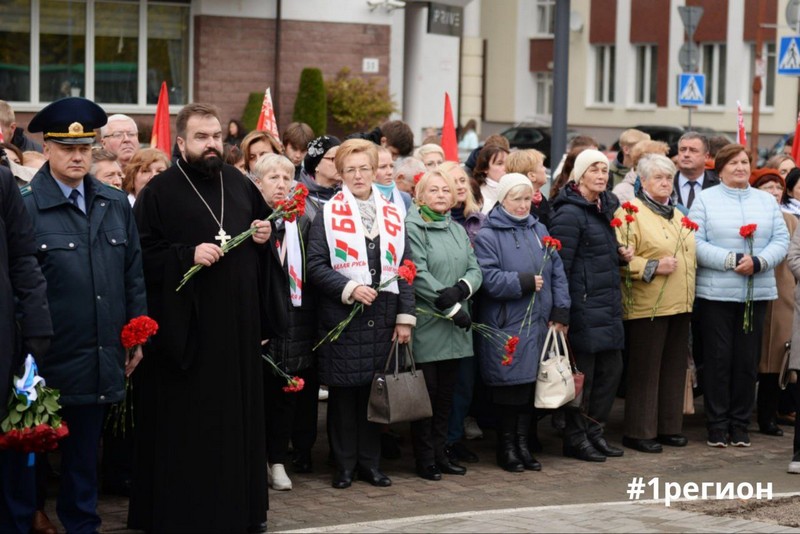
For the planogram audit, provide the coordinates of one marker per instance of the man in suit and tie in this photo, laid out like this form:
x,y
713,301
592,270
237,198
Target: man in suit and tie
x,y
692,176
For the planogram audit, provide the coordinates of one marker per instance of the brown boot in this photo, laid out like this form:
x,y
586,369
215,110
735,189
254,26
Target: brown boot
x,y
42,524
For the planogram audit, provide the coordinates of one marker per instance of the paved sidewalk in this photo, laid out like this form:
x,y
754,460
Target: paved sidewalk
x,y
609,517
490,499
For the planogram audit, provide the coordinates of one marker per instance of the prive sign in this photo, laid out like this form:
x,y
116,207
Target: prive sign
x,y
444,19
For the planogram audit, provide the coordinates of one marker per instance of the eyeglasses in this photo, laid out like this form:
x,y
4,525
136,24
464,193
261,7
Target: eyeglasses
x,y
352,171
120,135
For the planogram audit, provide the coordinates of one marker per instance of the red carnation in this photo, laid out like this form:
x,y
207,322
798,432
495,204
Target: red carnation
x,y
630,208
689,224
629,218
138,331
295,384
616,223
748,230
551,242
408,271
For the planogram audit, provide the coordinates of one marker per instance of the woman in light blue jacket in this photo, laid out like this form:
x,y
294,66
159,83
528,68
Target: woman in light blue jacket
x,y
725,265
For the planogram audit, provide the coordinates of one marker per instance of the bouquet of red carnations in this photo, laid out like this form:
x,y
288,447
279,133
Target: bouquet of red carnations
x,y
134,334
33,423
691,226
747,232
289,210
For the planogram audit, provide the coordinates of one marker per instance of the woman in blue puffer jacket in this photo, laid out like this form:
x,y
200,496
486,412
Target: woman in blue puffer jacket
x,y
510,250
725,264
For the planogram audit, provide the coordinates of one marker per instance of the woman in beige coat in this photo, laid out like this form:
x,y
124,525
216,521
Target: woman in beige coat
x,y
778,320
793,261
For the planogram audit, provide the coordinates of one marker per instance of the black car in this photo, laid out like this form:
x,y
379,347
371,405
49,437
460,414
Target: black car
x,y
537,137
669,134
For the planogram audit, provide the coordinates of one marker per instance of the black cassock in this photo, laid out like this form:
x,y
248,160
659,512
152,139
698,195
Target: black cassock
x,y
200,457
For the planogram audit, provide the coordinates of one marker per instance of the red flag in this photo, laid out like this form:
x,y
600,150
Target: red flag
x,y
741,136
266,121
161,138
449,141
796,143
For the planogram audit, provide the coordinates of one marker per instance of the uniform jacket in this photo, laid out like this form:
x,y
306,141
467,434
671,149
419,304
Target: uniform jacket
x,y
292,350
23,299
653,237
443,255
364,345
592,266
780,313
95,285
721,211
505,248
793,262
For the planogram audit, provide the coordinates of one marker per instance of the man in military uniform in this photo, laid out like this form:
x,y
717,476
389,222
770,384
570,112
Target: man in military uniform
x,y
88,248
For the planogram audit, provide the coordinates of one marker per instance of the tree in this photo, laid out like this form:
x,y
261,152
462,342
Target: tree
x,y
252,110
357,104
311,105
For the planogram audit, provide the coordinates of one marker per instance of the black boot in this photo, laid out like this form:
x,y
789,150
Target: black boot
x,y
506,448
528,461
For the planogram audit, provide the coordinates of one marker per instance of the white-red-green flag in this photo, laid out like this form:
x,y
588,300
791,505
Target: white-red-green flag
x,y
741,136
267,121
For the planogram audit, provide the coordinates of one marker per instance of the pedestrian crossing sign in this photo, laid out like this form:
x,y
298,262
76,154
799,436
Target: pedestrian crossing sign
x,y
691,89
789,56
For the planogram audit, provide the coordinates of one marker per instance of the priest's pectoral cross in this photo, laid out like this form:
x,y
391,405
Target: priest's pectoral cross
x,y
222,237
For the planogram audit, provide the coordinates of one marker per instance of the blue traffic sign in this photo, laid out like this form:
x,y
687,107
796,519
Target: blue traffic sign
x,y
789,56
691,89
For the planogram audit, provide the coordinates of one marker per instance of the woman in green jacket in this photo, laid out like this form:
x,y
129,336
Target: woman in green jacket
x,y
447,276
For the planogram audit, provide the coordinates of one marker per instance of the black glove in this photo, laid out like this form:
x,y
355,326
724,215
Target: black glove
x,y
38,346
462,319
527,282
450,296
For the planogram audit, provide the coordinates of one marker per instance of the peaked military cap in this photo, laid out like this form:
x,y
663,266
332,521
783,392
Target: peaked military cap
x,y
69,121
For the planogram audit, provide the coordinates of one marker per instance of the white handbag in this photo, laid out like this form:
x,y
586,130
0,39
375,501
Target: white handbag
x,y
555,385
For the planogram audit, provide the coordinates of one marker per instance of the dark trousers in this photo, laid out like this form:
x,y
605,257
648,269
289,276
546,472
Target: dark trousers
x,y
17,491
428,435
282,410
767,399
77,495
796,392
462,398
354,440
602,373
116,466
304,430
657,361
731,361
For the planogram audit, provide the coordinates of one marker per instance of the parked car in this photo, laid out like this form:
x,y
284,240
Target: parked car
x,y
538,137
671,134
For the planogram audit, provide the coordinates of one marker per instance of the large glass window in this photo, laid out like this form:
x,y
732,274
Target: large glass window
x,y
646,74
111,51
604,65
15,52
713,65
116,52
167,51
545,16
62,45
767,76
544,93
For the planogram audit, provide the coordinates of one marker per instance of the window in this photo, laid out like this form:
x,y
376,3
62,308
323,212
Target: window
x,y
646,75
544,93
110,51
712,64
767,77
545,16
604,64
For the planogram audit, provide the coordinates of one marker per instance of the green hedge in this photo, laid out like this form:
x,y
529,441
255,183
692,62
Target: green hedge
x,y
311,105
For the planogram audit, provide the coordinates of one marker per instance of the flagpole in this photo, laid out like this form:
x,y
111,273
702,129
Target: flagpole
x,y
757,85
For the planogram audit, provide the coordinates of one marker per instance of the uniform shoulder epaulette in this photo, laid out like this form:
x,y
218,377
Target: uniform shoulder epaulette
x,y
26,190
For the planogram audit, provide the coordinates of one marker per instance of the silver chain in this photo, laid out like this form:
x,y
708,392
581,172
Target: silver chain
x,y
222,196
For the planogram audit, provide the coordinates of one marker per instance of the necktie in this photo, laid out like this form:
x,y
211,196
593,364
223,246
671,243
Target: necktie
x,y
73,198
690,199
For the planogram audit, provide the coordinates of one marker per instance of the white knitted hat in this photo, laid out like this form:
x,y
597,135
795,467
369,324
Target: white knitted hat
x,y
509,182
586,159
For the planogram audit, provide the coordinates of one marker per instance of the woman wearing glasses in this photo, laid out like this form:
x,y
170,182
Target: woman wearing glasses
x,y
357,243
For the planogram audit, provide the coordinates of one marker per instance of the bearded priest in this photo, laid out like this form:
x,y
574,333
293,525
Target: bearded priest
x,y
200,449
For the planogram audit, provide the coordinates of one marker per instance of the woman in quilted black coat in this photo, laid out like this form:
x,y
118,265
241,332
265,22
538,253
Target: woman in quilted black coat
x,y
591,256
357,224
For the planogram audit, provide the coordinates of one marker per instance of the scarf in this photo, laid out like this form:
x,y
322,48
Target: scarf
x,y
344,231
664,210
392,193
457,214
792,207
294,262
430,215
